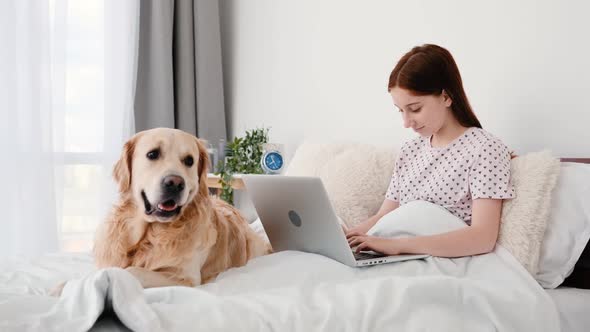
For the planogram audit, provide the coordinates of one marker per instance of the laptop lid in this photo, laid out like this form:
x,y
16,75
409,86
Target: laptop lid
x,y
297,215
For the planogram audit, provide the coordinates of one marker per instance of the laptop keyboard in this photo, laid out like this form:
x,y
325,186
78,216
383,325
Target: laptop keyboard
x,y
365,255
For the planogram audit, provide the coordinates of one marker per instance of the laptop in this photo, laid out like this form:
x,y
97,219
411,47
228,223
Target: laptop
x,y
297,215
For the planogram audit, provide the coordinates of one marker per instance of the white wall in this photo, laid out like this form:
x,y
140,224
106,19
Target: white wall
x,y
318,69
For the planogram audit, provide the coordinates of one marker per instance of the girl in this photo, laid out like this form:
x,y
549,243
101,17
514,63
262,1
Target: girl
x,y
453,163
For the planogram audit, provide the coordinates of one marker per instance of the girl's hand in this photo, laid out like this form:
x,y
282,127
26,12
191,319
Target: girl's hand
x,y
385,246
357,230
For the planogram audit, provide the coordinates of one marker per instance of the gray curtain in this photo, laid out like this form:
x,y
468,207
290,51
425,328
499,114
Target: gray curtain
x,y
179,75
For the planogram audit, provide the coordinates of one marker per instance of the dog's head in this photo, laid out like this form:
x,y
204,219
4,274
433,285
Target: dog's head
x,y
162,170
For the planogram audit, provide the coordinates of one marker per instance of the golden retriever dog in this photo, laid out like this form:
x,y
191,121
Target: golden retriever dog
x,y
166,229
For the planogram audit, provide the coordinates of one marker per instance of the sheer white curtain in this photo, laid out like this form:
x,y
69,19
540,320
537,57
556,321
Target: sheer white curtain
x,y
28,195
67,72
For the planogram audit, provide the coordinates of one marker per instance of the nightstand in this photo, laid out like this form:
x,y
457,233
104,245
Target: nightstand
x,y
213,182
241,199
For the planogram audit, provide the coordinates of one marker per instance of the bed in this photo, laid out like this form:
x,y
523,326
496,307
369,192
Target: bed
x,y
573,307
294,291
25,283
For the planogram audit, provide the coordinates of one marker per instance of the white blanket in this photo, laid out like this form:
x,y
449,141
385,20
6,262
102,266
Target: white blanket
x,y
295,291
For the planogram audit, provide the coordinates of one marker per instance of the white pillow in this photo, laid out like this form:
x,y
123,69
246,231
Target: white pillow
x,y
524,218
355,175
568,228
416,218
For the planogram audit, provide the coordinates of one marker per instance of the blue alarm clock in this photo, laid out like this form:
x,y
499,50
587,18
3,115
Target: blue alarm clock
x,y
272,162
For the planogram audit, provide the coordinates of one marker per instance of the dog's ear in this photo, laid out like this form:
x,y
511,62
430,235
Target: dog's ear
x,y
122,169
203,167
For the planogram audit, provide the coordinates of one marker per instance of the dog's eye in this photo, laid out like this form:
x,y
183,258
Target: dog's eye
x,y
188,161
153,155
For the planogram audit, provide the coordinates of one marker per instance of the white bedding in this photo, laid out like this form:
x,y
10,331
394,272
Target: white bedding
x,y
574,308
271,292
287,291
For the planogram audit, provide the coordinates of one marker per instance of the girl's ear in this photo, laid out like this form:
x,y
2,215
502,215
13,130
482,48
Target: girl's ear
x,y
446,98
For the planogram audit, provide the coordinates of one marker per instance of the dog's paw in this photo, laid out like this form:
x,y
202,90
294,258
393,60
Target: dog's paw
x,y
57,290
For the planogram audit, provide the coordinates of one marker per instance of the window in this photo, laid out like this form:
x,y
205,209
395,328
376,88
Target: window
x,y
81,142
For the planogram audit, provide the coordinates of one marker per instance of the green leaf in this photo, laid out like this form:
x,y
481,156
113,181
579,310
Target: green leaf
x,y
243,156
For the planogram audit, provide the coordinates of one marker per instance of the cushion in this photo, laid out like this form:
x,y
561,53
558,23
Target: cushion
x,y
568,228
524,218
417,218
355,175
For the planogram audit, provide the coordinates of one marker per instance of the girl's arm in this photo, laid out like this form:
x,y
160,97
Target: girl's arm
x,y
479,238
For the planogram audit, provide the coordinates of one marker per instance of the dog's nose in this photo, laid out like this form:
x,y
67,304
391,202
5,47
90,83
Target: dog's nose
x,y
173,184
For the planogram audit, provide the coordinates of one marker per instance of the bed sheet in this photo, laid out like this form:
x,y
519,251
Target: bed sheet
x,y
573,306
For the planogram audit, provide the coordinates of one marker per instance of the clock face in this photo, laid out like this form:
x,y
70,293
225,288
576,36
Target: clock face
x,y
272,162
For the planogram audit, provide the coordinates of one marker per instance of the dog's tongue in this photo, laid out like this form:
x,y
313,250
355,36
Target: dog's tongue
x,y
167,206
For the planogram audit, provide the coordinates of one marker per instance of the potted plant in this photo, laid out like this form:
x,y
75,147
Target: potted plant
x,y
242,156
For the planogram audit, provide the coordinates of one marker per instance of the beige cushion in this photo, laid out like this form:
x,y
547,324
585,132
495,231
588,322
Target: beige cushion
x,y
524,218
355,175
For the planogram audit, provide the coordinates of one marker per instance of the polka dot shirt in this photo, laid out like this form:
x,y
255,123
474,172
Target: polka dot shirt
x,y
475,165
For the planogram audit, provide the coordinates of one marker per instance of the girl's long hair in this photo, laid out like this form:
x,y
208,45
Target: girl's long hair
x,y
430,70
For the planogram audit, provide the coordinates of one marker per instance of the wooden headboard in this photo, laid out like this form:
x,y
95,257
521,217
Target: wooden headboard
x,y
576,160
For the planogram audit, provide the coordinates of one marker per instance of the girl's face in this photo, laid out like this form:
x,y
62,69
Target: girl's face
x,y
426,115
